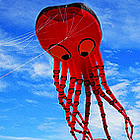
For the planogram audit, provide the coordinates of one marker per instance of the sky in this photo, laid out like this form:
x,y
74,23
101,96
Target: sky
x,y
29,108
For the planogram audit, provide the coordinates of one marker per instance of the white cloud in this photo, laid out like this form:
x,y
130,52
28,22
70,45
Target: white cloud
x,y
46,89
2,35
137,133
42,69
56,130
134,70
19,138
31,101
131,27
111,69
7,61
120,88
1,127
137,104
108,63
45,94
47,126
108,51
137,63
3,85
23,12
13,108
136,90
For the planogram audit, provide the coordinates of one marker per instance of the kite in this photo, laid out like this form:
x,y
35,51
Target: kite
x,y
72,34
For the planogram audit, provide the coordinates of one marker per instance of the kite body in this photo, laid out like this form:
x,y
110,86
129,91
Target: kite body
x,y
72,34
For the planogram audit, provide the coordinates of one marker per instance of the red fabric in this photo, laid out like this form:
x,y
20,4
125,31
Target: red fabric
x,y
71,34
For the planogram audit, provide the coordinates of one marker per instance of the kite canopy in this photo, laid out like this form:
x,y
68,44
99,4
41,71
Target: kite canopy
x,y
74,22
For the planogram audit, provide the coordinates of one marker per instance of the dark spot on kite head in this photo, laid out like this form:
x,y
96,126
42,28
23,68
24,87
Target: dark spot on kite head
x,y
84,54
65,57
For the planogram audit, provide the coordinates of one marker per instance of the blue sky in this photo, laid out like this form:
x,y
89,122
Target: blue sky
x,y
29,108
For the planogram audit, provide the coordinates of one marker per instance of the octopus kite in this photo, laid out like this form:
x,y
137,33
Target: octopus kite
x,y
72,34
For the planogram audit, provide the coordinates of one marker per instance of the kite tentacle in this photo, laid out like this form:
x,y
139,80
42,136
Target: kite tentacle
x,y
76,102
69,99
115,103
56,72
61,94
87,108
103,115
70,91
96,90
95,84
79,81
88,97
